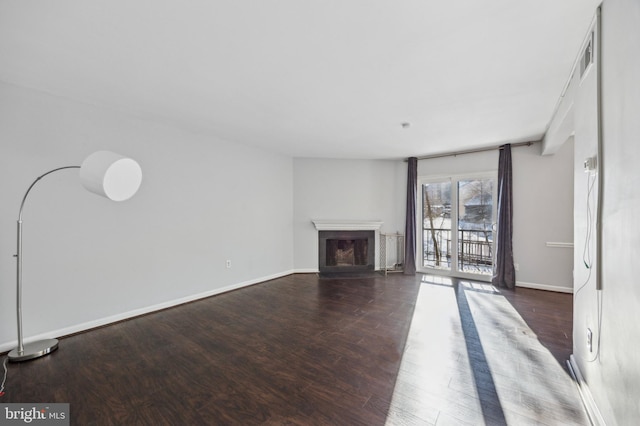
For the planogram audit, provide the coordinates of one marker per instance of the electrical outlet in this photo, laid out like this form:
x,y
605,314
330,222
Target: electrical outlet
x,y
516,266
589,340
228,264
590,164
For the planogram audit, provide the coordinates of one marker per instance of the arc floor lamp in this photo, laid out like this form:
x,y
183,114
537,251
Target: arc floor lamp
x,y
104,173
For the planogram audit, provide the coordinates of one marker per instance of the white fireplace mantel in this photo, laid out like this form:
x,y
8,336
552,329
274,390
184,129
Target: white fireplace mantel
x,y
347,225
354,225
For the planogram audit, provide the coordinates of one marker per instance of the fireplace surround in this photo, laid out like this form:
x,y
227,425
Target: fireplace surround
x,y
346,251
348,246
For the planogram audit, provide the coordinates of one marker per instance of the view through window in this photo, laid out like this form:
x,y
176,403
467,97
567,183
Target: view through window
x,y
458,215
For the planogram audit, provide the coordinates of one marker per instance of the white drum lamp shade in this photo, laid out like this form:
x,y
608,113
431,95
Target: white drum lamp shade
x,y
111,175
103,173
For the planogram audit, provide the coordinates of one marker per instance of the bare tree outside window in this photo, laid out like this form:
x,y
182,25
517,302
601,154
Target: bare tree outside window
x,y
466,236
437,223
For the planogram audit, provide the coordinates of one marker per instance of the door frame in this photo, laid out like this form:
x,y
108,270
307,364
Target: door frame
x,y
453,179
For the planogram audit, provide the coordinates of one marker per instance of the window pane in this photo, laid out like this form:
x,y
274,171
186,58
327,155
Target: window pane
x,y
436,225
475,225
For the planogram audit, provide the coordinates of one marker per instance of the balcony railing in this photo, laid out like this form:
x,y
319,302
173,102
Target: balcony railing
x,y
474,249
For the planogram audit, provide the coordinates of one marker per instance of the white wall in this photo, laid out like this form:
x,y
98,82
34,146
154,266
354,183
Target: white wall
x,y
543,206
612,372
88,260
543,213
329,189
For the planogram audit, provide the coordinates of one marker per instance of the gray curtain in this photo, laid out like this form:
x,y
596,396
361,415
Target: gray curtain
x,y
504,273
410,224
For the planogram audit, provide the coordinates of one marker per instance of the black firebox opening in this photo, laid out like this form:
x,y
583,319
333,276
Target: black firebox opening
x,y
346,251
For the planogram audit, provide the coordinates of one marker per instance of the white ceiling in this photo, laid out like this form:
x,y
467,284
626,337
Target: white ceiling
x,y
308,78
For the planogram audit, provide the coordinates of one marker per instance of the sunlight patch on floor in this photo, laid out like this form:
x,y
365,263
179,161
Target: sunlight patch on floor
x,y
470,358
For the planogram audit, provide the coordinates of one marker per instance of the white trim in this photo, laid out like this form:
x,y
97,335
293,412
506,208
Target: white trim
x,y
483,278
354,225
7,346
453,179
587,398
306,271
547,287
142,311
559,245
347,225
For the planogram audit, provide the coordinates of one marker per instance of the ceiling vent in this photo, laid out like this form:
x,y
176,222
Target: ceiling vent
x,y
587,56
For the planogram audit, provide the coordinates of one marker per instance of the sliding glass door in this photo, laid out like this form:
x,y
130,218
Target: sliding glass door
x,y
457,215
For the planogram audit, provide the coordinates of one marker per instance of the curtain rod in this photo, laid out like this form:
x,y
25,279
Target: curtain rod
x,y
472,151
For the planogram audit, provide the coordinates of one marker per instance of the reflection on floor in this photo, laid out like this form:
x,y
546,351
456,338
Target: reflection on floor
x,y
471,359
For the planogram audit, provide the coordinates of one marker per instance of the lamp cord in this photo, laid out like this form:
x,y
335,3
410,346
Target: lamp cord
x,y
4,365
586,251
588,262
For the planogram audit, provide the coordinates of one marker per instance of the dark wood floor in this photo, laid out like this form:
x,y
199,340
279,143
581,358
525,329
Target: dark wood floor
x,y
302,350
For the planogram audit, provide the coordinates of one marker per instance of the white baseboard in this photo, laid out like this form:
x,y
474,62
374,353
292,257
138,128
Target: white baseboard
x,y
587,398
546,287
306,271
7,346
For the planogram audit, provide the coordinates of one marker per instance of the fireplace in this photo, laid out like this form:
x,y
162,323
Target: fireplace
x,y
346,251
352,245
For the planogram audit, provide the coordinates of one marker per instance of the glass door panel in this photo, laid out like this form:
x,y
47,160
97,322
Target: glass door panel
x,y
436,225
457,215
475,225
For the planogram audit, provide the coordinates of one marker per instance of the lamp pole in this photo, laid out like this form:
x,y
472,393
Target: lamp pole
x,y
42,347
104,173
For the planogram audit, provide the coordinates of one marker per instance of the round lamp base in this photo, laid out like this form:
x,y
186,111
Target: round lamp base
x,y
34,350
